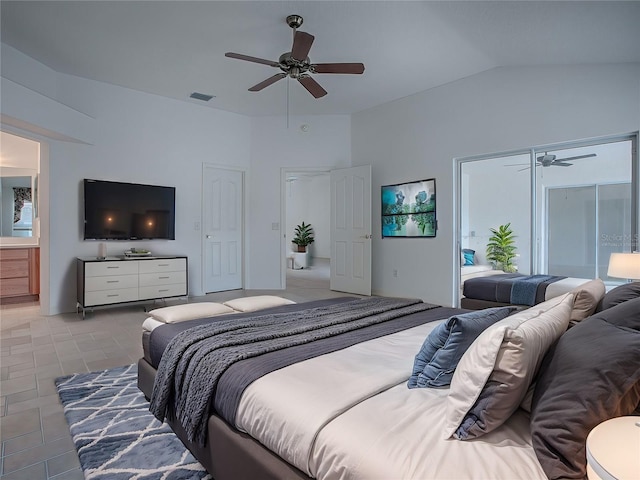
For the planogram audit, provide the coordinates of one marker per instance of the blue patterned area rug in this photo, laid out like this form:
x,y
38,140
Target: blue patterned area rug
x,y
116,436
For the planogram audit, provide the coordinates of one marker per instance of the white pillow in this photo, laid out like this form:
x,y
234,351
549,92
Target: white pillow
x,y
189,311
251,304
493,375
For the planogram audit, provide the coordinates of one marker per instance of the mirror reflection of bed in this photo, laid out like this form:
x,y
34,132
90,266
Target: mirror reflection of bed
x,y
567,217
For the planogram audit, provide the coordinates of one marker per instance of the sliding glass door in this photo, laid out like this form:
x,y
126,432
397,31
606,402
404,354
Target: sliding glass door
x,y
585,225
570,205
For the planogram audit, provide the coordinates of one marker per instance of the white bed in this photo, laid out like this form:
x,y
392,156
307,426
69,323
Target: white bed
x,y
352,414
329,407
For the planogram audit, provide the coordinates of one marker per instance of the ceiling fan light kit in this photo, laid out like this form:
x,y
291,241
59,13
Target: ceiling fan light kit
x,y
296,63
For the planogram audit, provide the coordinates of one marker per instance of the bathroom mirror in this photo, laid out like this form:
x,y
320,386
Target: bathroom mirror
x,y
18,200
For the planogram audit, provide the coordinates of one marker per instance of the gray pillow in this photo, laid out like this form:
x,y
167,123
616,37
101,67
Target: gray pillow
x,y
620,294
589,376
442,349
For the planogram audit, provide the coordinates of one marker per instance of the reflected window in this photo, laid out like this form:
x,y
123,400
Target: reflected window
x,y
24,226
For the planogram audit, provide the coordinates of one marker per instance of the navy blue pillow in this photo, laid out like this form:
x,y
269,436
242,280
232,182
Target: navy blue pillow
x,y
442,349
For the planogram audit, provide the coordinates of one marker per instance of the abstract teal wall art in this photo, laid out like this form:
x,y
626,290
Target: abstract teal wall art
x,y
409,209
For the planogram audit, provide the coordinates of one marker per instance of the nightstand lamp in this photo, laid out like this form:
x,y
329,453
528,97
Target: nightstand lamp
x,y
624,265
613,450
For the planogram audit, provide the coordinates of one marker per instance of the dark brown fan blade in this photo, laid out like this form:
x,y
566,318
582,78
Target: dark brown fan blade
x,y
267,82
312,87
239,56
302,42
354,68
574,158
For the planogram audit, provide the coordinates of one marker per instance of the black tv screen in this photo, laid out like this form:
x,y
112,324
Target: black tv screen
x,y
128,211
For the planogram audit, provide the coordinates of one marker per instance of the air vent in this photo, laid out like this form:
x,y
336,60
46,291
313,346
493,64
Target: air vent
x,y
201,96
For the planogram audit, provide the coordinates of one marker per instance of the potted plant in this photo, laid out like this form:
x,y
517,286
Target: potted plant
x,y
303,236
501,249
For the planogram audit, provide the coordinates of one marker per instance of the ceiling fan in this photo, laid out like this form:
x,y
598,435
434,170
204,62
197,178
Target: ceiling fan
x,y
547,160
296,63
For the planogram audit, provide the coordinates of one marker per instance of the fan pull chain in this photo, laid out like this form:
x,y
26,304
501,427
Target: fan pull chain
x,y
287,103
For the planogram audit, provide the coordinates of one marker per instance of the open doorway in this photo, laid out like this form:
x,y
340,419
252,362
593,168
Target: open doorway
x,y
19,219
307,199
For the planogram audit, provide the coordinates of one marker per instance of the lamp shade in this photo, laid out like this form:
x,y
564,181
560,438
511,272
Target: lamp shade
x,y
624,265
613,449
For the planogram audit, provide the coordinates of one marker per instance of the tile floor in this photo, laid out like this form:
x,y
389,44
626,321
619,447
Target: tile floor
x,y
36,349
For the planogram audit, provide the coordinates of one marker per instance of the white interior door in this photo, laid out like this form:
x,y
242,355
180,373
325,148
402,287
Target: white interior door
x,y
223,193
351,230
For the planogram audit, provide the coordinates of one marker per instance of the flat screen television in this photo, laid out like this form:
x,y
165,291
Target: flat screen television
x,y
128,211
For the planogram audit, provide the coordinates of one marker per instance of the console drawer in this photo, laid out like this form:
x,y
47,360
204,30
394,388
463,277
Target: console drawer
x,y
163,265
111,282
98,269
163,278
105,297
162,291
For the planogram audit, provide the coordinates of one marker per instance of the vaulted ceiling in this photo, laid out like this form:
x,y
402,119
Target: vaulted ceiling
x,y
174,48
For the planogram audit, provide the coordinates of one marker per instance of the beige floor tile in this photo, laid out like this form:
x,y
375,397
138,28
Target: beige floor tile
x,y
31,456
34,472
17,385
75,474
23,442
54,426
63,463
37,402
20,423
17,359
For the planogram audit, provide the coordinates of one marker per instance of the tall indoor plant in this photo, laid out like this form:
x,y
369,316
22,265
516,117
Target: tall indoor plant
x,y
501,249
303,236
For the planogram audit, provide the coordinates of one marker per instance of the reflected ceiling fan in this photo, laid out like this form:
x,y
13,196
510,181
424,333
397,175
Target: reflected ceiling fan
x,y
547,160
296,63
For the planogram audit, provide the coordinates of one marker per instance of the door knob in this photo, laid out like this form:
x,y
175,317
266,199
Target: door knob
x,y
208,236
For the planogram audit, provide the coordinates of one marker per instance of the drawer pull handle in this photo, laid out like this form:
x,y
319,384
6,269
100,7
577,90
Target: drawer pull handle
x,y
113,295
163,278
113,267
163,290
113,281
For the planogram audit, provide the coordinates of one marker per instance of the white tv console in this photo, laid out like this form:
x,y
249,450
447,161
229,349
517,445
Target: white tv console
x,y
116,280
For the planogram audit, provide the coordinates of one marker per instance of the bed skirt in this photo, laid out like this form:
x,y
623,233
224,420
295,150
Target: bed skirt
x,y
234,455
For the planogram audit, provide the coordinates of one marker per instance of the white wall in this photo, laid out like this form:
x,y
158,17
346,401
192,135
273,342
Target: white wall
x,y
326,144
500,110
138,138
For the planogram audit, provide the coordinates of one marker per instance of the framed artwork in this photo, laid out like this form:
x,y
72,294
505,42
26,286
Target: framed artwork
x,y
409,209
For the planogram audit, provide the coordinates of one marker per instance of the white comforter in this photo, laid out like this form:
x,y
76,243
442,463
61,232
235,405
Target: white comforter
x,y
349,415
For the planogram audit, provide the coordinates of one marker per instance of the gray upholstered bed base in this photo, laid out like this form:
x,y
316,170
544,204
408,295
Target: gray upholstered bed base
x,y
232,455
474,304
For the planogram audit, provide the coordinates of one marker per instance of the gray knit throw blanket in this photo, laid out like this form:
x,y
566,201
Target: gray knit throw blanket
x,y
195,359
